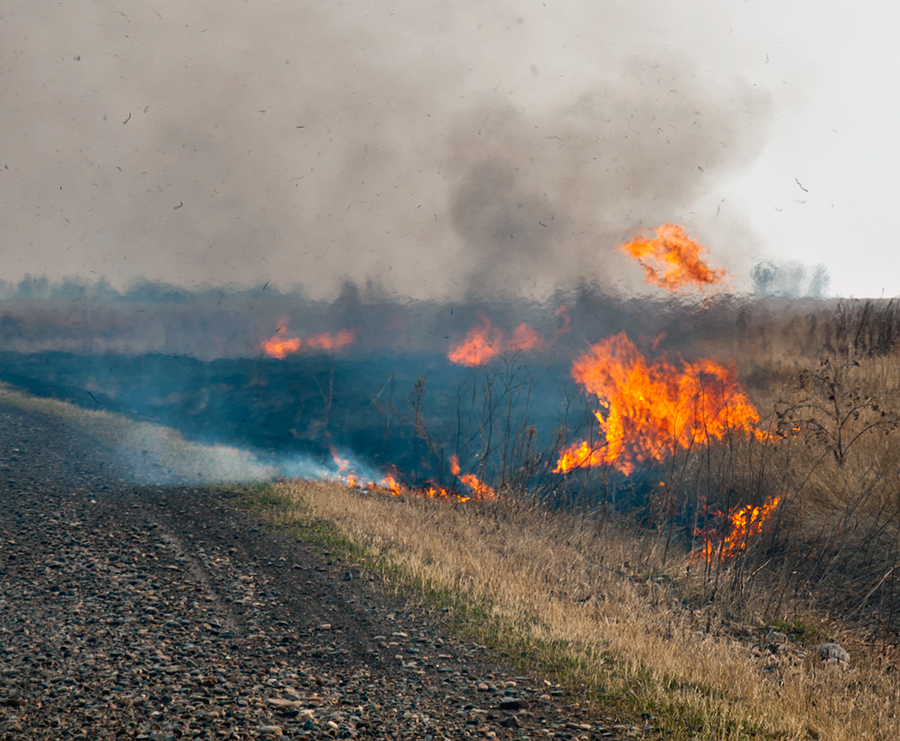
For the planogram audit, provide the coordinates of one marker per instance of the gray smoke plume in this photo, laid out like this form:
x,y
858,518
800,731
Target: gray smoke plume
x,y
439,151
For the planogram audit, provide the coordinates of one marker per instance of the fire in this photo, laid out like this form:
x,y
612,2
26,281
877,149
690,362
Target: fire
x,y
342,463
481,345
525,338
280,345
745,523
391,483
673,260
486,342
332,341
653,407
479,488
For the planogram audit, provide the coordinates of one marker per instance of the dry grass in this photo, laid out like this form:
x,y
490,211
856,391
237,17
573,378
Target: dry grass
x,y
590,605
620,614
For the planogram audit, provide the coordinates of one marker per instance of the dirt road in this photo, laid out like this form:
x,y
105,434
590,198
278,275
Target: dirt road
x,y
162,613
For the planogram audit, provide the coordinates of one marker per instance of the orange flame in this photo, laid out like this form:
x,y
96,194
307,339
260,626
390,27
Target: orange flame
x,y
280,346
479,488
389,482
745,523
651,408
672,260
485,342
332,341
481,345
525,339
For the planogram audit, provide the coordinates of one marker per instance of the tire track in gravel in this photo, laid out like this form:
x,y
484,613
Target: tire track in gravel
x,y
163,613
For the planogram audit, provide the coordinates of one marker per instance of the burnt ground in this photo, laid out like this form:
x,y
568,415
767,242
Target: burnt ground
x,y
164,613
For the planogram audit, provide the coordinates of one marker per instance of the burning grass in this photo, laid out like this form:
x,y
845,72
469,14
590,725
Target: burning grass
x,y
741,503
601,609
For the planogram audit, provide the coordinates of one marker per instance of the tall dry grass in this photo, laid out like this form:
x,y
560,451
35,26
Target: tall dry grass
x,y
596,607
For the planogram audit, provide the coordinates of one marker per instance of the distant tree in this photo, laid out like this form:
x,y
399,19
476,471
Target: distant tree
x,y
789,280
72,287
34,286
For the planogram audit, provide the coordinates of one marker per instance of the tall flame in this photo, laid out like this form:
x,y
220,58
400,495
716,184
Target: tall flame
x,y
673,260
653,407
745,523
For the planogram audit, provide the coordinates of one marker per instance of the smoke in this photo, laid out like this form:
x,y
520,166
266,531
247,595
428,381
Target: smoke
x,y
439,151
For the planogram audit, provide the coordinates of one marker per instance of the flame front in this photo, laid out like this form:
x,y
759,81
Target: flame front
x,y
481,345
672,260
486,342
745,523
478,487
652,408
332,341
390,482
280,345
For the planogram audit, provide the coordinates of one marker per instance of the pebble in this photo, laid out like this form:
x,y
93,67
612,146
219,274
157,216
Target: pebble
x,y
164,613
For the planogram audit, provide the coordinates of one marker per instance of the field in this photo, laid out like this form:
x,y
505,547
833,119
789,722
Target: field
x,y
696,589
624,605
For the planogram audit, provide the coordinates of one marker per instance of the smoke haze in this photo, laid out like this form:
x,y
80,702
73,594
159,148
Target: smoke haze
x,y
439,150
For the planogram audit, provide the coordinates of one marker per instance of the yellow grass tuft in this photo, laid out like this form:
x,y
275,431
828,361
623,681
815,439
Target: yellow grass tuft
x,y
587,604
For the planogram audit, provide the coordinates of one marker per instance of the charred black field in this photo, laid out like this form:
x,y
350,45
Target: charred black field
x,y
391,399
765,521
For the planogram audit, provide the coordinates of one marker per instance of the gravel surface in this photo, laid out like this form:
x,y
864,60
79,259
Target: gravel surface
x,y
165,613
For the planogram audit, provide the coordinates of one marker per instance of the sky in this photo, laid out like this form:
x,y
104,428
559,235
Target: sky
x,y
444,149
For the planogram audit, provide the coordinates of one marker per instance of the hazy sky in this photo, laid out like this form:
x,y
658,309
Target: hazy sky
x,y
444,147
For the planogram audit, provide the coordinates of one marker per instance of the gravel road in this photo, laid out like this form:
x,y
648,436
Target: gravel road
x,y
165,613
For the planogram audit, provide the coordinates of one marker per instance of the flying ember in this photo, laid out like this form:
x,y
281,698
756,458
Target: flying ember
x,y
672,260
653,407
